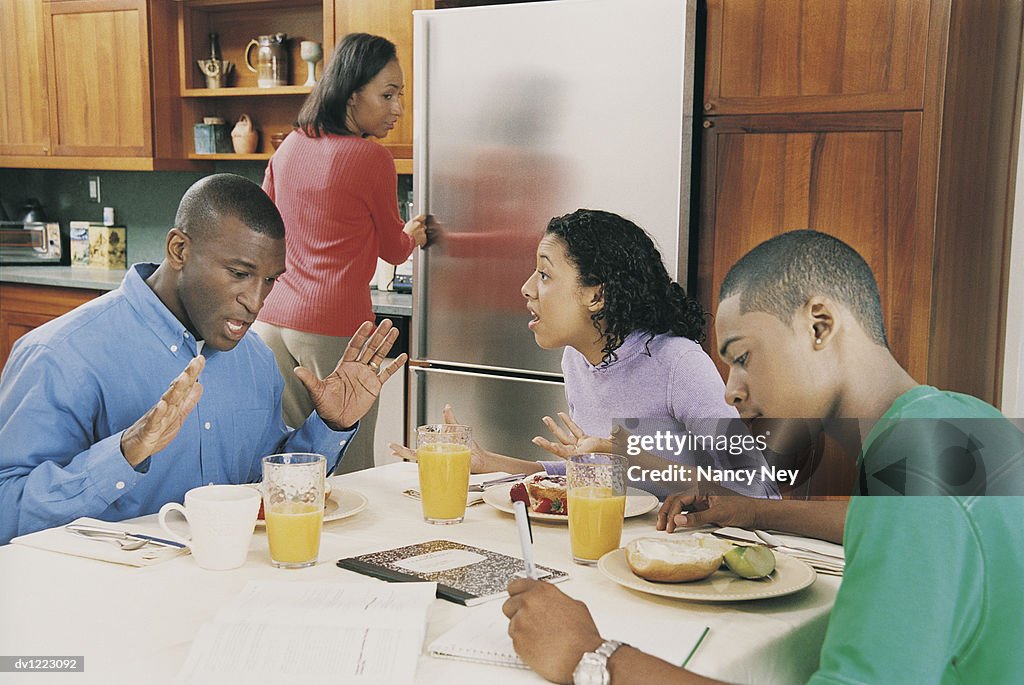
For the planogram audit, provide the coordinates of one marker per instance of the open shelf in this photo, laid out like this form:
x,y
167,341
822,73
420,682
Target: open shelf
x,y
245,92
229,156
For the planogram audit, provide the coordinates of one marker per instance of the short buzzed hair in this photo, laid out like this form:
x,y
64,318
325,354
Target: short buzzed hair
x,y
780,275
210,199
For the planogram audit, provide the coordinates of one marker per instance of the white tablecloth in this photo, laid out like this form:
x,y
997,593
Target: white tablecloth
x,y
137,624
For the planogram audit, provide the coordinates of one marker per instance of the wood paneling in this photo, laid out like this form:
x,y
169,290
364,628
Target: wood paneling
x,y
24,117
98,68
851,175
768,56
24,307
973,212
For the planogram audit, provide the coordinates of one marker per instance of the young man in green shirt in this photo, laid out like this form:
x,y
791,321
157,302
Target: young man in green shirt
x,y
931,590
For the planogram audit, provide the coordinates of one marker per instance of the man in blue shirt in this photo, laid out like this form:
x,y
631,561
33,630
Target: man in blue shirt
x,y
97,417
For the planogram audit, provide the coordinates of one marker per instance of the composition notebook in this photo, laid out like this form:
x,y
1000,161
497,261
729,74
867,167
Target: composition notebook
x,y
483,637
464,574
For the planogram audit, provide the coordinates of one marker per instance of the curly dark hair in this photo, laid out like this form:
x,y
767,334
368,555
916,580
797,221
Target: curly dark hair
x,y
639,295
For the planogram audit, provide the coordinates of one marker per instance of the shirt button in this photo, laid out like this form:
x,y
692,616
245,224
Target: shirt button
x,y
186,335
174,348
119,485
206,425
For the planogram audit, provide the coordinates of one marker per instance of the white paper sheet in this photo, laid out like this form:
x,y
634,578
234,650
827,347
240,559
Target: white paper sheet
x,y
483,637
276,632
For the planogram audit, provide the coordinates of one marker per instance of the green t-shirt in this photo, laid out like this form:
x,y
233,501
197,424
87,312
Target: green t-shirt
x,y
932,591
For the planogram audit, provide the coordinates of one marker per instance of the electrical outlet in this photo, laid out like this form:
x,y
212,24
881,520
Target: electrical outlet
x,y
94,188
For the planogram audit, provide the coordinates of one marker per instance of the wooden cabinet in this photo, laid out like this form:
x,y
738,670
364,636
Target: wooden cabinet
x,y
827,115
99,78
24,114
105,96
851,175
274,109
767,56
236,22
24,307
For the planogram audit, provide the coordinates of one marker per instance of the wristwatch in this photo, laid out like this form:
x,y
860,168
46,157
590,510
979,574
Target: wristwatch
x,y
593,666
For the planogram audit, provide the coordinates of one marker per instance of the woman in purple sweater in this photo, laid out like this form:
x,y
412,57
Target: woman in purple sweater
x,y
631,339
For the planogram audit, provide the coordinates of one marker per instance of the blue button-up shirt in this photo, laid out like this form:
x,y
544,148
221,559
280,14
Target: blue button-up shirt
x,y
72,386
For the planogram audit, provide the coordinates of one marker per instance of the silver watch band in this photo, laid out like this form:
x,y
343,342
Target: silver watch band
x,y
593,666
608,648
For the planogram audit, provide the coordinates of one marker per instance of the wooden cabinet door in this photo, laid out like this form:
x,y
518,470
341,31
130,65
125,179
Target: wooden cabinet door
x,y
99,78
765,56
392,20
24,116
13,325
854,176
24,307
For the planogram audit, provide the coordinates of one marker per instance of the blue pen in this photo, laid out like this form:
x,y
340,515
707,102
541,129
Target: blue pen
x,y
525,538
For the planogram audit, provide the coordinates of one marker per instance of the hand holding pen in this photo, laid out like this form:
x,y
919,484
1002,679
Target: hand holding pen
x,y
525,539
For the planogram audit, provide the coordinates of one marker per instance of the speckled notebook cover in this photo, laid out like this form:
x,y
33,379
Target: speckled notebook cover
x,y
469,584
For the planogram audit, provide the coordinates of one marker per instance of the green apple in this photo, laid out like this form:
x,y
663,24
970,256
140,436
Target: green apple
x,y
750,562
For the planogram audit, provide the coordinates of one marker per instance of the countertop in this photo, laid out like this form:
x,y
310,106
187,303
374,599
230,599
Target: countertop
x,y
386,303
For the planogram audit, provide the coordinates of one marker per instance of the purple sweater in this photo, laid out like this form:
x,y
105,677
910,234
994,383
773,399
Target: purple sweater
x,y
670,378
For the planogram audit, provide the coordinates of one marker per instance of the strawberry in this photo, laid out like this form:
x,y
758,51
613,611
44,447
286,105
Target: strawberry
x,y
543,506
260,515
518,493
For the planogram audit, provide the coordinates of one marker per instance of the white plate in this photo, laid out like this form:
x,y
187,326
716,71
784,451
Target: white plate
x,y
341,504
637,502
791,575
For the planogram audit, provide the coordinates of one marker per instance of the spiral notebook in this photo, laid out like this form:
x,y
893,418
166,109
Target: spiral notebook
x,y
464,574
483,638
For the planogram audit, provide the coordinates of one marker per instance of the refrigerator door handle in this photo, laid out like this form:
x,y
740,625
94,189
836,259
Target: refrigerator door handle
x,y
425,367
421,178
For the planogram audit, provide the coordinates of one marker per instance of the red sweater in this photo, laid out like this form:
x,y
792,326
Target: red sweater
x,y
338,196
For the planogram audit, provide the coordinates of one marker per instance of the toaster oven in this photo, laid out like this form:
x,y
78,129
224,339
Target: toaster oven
x,y
33,243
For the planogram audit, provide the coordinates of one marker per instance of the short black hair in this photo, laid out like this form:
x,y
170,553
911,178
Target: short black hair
x,y
211,198
358,58
639,295
780,275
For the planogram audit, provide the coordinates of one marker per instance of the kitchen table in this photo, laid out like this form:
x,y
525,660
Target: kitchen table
x,y
137,624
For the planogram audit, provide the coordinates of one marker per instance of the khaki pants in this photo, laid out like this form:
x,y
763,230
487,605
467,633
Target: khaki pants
x,y
319,354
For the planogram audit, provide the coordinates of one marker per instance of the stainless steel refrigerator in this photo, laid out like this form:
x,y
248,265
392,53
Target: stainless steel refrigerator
x,y
524,112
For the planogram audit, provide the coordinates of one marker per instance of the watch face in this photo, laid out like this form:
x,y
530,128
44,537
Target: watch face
x,y
591,670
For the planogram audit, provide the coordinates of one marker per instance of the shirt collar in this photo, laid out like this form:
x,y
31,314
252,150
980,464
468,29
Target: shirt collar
x,y
171,332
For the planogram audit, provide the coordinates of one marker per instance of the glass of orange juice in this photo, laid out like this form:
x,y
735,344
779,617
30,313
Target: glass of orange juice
x,y
596,487
442,451
293,505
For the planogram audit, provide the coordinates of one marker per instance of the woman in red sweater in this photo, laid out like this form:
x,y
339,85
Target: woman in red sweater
x,y
337,192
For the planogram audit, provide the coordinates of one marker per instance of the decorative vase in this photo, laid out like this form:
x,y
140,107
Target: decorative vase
x,y
311,52
244,137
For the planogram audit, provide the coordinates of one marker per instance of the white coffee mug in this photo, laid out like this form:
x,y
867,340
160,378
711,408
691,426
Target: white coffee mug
x,y
221,519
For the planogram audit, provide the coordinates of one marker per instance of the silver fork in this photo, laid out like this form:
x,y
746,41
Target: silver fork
x,y
480,487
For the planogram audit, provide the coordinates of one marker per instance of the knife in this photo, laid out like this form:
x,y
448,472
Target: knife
x,y
98,532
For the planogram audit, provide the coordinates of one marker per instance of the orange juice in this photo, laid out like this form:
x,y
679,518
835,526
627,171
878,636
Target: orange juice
x,y
595,521
444,480
293,530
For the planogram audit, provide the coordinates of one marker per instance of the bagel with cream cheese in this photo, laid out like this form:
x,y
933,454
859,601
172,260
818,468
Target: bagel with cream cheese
x,y
682,560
